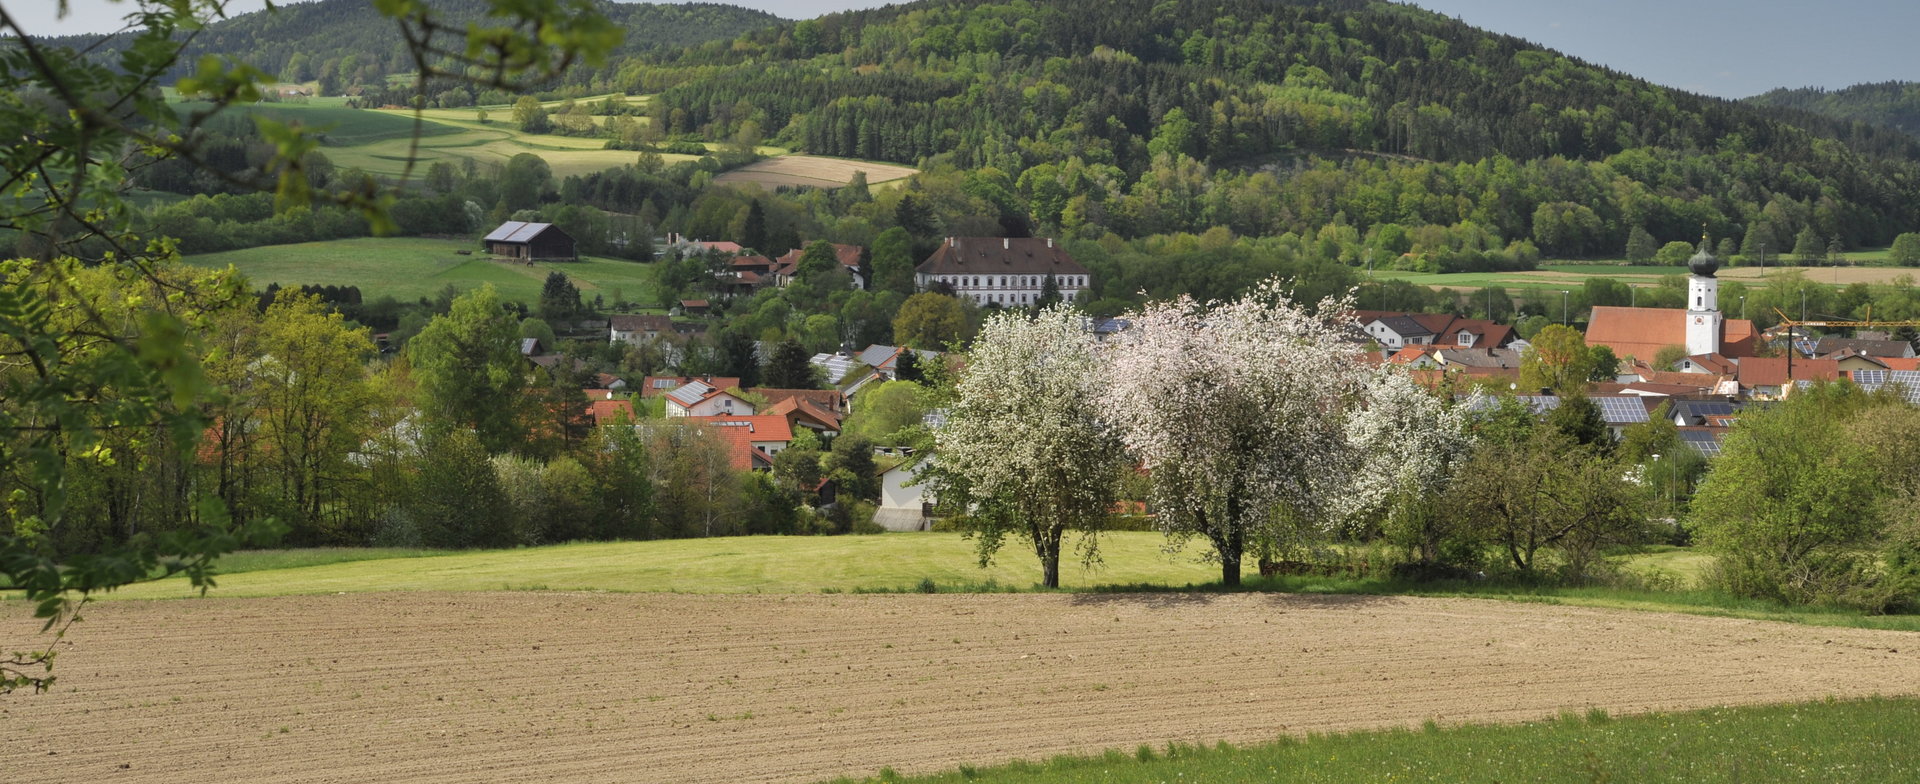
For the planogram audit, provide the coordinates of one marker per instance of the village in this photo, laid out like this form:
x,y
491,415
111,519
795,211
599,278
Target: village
x,y
1695,367
1037,392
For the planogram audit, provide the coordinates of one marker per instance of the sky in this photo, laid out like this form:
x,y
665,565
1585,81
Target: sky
x,y
1728,48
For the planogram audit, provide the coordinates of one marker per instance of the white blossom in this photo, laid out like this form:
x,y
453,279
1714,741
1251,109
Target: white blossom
x,y
1024,443
1406,441
1237,412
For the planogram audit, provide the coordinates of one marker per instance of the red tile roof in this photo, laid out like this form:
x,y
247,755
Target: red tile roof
x,y
847,255
741,433
1772,371
607,412
830,399
801,410
1643,332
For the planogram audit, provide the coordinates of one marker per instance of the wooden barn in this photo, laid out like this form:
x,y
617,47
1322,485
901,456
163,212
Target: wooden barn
x,y
522,241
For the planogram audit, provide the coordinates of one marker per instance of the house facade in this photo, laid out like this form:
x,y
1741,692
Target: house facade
x,y
638,329
700,399
1004,271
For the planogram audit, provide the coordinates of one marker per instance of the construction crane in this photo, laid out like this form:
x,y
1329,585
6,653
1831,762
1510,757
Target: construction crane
x,y
1868,324
1798,346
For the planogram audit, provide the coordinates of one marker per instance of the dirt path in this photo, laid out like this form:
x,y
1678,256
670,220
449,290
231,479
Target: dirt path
x,y
682,688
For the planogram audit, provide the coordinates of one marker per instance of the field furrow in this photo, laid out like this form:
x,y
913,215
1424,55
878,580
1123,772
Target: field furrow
x,y
739,688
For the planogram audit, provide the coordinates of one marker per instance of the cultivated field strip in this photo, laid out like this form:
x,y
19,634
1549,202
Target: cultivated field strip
x,y
812,171
437,687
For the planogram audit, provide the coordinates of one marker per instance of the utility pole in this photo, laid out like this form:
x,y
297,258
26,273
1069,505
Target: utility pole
x,y
1369,264
1563,307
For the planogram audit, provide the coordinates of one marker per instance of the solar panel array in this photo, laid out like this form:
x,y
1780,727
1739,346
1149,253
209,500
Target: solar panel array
x,y
1906,382
1703,442
1539,404
1622,410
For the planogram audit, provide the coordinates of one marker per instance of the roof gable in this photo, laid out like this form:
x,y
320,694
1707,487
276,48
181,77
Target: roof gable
x,y
1000,255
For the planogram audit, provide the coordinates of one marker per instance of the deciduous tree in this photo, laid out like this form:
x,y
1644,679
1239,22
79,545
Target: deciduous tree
x,y
469,371
1408,443
1237,411
1556,359
930,321
1028,440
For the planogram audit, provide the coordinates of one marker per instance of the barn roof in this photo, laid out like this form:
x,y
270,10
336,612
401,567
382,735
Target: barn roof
x,y
517,231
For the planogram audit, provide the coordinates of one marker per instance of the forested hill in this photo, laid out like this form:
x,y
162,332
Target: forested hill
x,y
1103,96
346,42
1885,103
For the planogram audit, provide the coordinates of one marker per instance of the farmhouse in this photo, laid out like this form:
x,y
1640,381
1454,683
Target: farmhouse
x,y
1004,271
524,241
638,329
848,256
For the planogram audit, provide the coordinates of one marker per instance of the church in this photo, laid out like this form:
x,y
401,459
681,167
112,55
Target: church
x,y
1700,329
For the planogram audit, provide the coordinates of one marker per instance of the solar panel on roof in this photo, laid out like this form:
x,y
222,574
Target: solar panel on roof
x,y
1621,411
1706,408
1870,378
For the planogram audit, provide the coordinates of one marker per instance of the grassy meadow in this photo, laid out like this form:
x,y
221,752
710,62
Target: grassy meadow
x,y
408,268
1133,561
1866,266
1854,740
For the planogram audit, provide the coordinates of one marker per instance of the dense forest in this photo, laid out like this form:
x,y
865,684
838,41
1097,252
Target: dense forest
x,y
344,43
1271,118
1896,104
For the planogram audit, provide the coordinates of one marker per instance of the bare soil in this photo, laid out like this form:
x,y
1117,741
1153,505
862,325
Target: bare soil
x,y
740,688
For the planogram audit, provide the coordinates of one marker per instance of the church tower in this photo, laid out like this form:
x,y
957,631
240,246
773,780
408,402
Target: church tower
x,y
1703,303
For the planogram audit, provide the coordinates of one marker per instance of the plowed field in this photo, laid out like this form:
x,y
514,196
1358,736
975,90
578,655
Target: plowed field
x,y
740,688
812,171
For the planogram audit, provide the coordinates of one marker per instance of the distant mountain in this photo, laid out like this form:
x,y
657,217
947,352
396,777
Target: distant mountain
x,y
1894,104
348,42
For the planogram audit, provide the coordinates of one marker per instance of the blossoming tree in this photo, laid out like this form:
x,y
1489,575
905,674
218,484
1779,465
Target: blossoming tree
x,y
1407,444
1025,450
1237,411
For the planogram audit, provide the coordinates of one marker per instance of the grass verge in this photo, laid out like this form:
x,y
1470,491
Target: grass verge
x,y
1852,740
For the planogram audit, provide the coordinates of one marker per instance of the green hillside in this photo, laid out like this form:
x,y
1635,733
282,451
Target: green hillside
x,y
1294,117
1893,104
410,268
347,42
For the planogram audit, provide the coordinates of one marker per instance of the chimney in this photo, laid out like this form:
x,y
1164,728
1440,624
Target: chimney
x,y
1006,243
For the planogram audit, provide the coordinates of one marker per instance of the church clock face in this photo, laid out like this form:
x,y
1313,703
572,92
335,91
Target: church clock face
x,y
1700,320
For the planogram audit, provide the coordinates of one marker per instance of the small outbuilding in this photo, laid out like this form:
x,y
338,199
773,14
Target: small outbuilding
x,y
523,241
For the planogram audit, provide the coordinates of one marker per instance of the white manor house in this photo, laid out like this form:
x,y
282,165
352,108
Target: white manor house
x,y
1005,271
